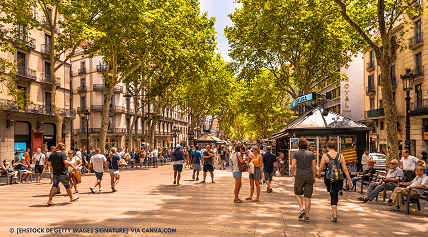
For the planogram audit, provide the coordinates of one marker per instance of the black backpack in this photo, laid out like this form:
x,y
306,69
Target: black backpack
x,y
334,168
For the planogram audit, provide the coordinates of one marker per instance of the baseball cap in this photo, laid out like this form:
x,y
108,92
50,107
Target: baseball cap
x,y
177,146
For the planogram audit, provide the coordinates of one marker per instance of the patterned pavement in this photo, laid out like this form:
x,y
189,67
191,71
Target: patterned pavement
x,y
147,200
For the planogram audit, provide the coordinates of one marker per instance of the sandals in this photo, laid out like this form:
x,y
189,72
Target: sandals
x,y
50,204
238,201
249,198
75,199
256,200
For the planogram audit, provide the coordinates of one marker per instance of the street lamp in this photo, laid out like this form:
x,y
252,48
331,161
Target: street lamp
x,y
407,87
87,114
175,133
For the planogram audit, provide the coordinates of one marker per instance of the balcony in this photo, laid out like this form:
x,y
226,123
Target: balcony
x,y
418,71
25,72
109,130
45,49
416,41
99,87
47,78
130,110
79,131
370,66
81,89
82,109
370,90
11,105
81,71
24,42
118,89
118,109
375,113
419,107
101,67
162,133
96,108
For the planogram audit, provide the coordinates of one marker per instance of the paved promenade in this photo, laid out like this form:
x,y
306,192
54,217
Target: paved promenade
x,y
146,198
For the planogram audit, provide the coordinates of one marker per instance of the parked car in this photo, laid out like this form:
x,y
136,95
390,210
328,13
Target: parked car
x,y
380,160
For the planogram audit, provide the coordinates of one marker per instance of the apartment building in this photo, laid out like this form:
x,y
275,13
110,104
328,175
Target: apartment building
x,y
88,95
33,125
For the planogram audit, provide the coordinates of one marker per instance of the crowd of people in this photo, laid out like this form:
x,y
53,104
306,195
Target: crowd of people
x,y
262,165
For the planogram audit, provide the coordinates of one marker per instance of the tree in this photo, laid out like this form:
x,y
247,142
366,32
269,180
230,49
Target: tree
x,y
377,22
301,42
68,23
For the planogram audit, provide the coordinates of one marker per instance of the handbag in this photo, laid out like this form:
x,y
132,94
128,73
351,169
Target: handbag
x,y
277,173
251,168
77,176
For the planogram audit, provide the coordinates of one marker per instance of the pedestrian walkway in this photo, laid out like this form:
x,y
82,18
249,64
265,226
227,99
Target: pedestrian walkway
x,y
148,199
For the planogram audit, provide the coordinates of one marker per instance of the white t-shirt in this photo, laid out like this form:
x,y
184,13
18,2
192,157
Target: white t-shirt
x,y
155,153
97,161
40,158
409,163
73,161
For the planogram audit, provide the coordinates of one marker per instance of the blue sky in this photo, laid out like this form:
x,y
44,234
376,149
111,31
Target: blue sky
x,y
220,9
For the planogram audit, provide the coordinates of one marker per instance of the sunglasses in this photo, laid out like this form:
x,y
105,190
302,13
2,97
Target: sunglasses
x,y
394,163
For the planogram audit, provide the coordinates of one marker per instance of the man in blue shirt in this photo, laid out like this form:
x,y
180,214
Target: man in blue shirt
x,y
113,168
269,160
197,155
177,158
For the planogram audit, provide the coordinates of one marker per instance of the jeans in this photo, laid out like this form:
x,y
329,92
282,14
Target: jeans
x,y
354,181
375,188
60,178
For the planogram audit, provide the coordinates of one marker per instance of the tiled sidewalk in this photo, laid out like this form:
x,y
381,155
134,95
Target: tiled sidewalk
x,y
147,199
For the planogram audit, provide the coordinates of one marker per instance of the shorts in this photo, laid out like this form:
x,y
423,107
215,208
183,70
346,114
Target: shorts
x,y
268,176
155,160
56,179
304,185
222,161
99,175
257,174
208,168
178,168
38,169
114,171
137,160
237,174
197,167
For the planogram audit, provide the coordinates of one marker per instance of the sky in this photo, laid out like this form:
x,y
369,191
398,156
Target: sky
x,y
220,9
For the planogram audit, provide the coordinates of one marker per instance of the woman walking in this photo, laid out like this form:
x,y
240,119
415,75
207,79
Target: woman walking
x,y
255,178
74,177
334,170
237,160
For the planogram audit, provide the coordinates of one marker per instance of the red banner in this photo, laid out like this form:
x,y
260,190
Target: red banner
x,y
37,141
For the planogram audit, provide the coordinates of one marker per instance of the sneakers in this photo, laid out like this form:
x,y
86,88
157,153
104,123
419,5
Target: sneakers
x,y
113,189
307,219
197,178
302,213
387,203
178,184
101,189
92,189
193,176
175,181
395,209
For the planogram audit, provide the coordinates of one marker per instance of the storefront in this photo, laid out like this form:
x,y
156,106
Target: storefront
x,y
49,138
22,137
319,126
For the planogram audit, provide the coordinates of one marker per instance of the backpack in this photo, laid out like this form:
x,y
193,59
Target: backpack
x,y
334,169
194,158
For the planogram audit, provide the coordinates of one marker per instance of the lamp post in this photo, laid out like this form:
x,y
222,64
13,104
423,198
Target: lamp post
x,y
407,87
87,114
174,134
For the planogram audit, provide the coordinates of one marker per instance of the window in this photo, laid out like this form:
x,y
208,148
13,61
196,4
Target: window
x,y
418,31
381,125
83,102
82,65
418,94
47,70
371,58
23,95
110,125
372,104
370,82
83,83
418,64
380,104
21,33
393,78
48,40
48,102
21,63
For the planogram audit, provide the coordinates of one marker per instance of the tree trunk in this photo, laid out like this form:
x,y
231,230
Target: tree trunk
x,y
104,115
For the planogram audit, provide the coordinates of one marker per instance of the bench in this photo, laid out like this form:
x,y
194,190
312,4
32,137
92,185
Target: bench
x,y
372,178
415,199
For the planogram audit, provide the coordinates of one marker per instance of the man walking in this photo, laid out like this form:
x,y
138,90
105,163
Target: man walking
x,y
97,162
269,160
177,158
304,176
155,158
197,155
58,161
208,163
113,167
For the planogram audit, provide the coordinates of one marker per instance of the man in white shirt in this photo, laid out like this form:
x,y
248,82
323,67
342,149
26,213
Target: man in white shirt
x,y
365,159
155,157
39,159
97,161
408,163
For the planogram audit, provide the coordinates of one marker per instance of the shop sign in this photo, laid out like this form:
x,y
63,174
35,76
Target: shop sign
x,y
348,140
303,99
425,135
47,138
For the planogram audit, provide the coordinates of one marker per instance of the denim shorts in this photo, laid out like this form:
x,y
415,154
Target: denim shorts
x,y
99,175
60,178
237,174
178,168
